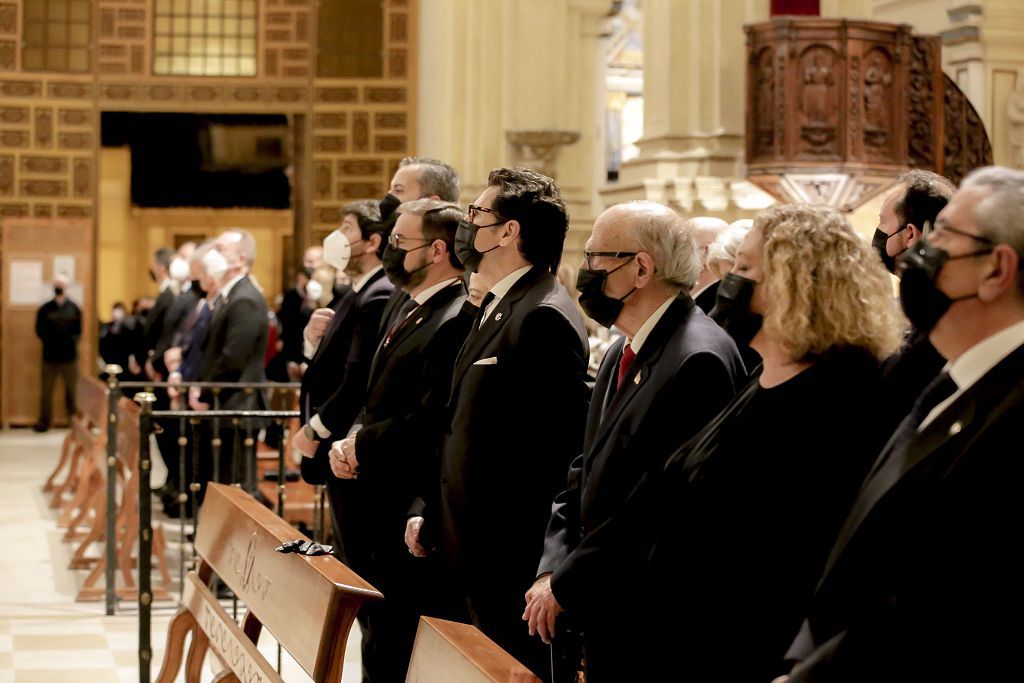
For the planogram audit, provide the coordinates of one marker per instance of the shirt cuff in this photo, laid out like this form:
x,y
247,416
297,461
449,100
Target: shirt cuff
x,y
319,428
309,348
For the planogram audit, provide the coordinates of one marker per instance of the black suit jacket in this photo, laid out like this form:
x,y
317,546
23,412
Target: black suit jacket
x,y
171,333
517,412
687,370
402,425
706,300
928,586
234,348
334,385
153,327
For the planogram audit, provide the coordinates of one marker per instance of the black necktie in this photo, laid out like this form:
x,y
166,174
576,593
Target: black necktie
x,y
403,315
891,463
488,298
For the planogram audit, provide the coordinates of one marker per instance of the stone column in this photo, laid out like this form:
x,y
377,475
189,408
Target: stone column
x,y
691,153
515,82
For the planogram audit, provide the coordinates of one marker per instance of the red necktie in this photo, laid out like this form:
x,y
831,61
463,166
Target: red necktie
x,y
624,363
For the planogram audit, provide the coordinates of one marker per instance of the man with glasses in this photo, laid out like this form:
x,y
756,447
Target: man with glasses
x,y
517,409
923,582
392,457
672,372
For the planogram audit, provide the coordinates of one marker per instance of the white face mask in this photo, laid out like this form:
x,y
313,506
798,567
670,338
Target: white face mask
x,y
337,250
314,290
180,270
215,264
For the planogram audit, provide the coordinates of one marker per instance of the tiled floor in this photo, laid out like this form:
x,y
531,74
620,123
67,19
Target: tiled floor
x,y
45,636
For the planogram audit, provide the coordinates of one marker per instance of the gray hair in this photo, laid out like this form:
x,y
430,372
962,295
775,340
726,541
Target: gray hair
x,y
668,238
246,243
1000,214
727,243
435,177
200,251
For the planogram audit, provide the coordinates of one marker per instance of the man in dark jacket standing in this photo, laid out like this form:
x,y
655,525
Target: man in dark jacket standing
x,y
58,326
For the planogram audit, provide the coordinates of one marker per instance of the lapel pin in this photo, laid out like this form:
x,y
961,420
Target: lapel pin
x,y
955,428
419,320
636,380
497,317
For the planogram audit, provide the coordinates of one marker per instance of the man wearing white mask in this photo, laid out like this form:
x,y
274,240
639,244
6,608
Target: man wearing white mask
x,y
234,348
340,342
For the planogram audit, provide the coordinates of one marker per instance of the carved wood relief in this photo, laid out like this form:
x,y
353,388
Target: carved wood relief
x,y
124,29
848,106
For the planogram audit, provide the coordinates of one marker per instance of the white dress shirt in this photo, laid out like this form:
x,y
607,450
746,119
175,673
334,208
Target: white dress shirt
x,y
500,289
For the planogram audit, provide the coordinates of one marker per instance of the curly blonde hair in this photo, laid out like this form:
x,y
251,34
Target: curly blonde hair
x,y
825,285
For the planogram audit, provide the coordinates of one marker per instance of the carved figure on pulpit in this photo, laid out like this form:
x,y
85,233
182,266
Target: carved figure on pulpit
x,y
877,87
818,83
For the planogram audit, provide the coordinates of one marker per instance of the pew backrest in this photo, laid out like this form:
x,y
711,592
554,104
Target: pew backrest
x,y
450,651
307,603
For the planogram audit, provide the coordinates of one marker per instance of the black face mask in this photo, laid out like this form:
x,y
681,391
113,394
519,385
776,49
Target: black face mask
x,y
732,308
923,302
152,275
394,265
197,287
880,242
388,206
465,238
59,291
602,308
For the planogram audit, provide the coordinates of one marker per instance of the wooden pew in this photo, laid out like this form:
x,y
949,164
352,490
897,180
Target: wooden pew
x,y
450,651
126,524
307,603
87,433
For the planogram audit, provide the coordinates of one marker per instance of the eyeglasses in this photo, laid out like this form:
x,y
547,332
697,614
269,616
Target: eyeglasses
x,y
474,210
941,227
395,240
589,255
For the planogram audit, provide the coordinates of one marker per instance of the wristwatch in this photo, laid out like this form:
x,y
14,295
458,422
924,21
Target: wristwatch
x,y
310,433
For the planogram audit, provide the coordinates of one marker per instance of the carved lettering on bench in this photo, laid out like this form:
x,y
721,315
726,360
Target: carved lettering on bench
x,y
244,565
226,643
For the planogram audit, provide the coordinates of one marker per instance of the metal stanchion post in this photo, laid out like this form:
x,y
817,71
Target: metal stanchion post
x,y
281,481
194,487
110,551
145,399
215,440
182,503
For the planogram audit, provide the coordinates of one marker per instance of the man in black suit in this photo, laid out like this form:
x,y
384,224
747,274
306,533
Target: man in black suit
x,y
923,582
340,344
395,448
152,329
910,206
661,383
415,178
59,327
706,230
234,347
517,409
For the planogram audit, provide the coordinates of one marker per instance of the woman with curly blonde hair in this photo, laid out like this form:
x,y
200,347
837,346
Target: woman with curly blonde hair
x,y
731,537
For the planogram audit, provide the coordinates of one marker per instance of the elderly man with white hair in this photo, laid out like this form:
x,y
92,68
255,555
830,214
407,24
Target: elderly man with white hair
x,y
657,386
706,230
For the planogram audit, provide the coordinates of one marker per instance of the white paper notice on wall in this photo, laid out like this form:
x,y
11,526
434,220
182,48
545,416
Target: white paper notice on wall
x,y
24,282
64,265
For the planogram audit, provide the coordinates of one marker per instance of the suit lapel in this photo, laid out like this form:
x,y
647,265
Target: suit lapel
x,y
495,323
419,317
340,311
642,367
982,403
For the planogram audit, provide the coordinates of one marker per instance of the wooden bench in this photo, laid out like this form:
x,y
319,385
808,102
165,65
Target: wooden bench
x,y
126,525
307,603
450,651
88,433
